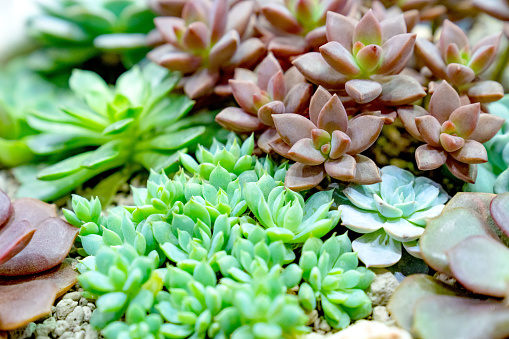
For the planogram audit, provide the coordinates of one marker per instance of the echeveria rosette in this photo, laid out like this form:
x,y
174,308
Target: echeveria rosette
x,y
391,213
285,214
135,124
326,143
296,26
365,59
453,59
453,133
493,176
262,93
72,32
331,277
206,40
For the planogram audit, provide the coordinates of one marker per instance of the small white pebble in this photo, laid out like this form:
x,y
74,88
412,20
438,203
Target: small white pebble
x,y
64,307
72,295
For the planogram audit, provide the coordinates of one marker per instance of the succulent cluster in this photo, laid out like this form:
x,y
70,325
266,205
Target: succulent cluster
x,y
32,274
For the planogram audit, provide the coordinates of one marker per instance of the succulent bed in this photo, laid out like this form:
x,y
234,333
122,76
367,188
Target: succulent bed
x,y
252,169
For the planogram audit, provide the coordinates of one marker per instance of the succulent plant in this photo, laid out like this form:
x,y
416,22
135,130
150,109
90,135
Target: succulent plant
x,y
496,8
329,143
295,27
453,133
133,125
364,58
206,40
493,176
285,214
168,7
455,61
462,243
263,93
72,32
31,273
331,277
389,214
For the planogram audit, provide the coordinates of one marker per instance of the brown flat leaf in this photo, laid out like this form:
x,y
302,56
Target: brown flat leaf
x,y
23,303
443,102
333,116
400,90
407,115
221,53
459,75
472,152
49,246
266,69
429,158
429,129
340,28
5,208
279,146
247,55
313,66
363,91
368,30
396,52
317,37
452,34
451,143
200,83
243,92
318,100
301,177
293,127
266,138
288,46
465,118
485,91
304,151
297,99
279,16
342,168
430,55
339,58
276,87
265,112
293,77
363,131
366,171
460,170
237,120
340,142
487,126
32,210
180,61
14,238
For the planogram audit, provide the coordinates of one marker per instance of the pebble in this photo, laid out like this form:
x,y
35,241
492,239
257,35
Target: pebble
x,y
64,307
382,288
72,295
61,327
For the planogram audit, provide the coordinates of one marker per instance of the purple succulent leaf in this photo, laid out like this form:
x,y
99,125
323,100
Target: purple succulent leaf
x,y
408,115
485,91
429,158
313,66
266,138
340,142
195,11
201,83
224,49
459,75
304,151
339,58
302,177
333,116
368,30
243,92
266,69
279,146
472,152
276,87
495,8
460,170
429,129
430,55
363,90
280,17
218,17
174,60
265,112
248,54
293,77
298,97
466,119
5,208
482,58
396,52
366,171
293,127
166,27
452,34
363,131
14,238
451,143
393,26
399,90
237,120
318,101
342,168
288,46
499,209
239,16
196,37
340,28
443,102
317,37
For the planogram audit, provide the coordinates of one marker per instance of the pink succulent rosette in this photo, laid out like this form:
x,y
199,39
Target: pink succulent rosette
x,y
263,93
454,134
205,41
327,143
453,59
365,59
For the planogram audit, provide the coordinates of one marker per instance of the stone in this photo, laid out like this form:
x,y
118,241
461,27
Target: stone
x,y
46,327
75,318
90,332
364,329
381,314
23,333
72,295
83,302
61,327
64,307
382,288
87,313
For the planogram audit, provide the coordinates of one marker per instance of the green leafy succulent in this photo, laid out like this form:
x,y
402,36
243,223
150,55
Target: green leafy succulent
x,y
286,215
331,277
72,32
136,124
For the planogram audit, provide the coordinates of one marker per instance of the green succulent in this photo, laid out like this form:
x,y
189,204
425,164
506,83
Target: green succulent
x,y
331,277
134,125
71,32
493,176
286,215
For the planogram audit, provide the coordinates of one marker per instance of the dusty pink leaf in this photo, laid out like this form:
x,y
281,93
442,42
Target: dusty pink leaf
x,y
482,58
495,8
298,97
196,37
393,26
466,118
293,127
460,170
243,92
340,28
443,102
490,40
459,75
221,53
239,16
279,16
429,158
399,90
342,168
301,177
248,54
453,34
396,52
14,238
487,126
368,30
472,152
333,116
276,87
339,58
369,57
318,101
485,91
180,61
304,151
429,129
313,66
293,77
32,210
266,69
317,37
265,112
166,27
407,115
366,171
340,142
453,54
451,143
195,11
218,17
499,208
201,83
288,46
5,208
237,120
279,146
362,90
266,138
430,55
363,131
